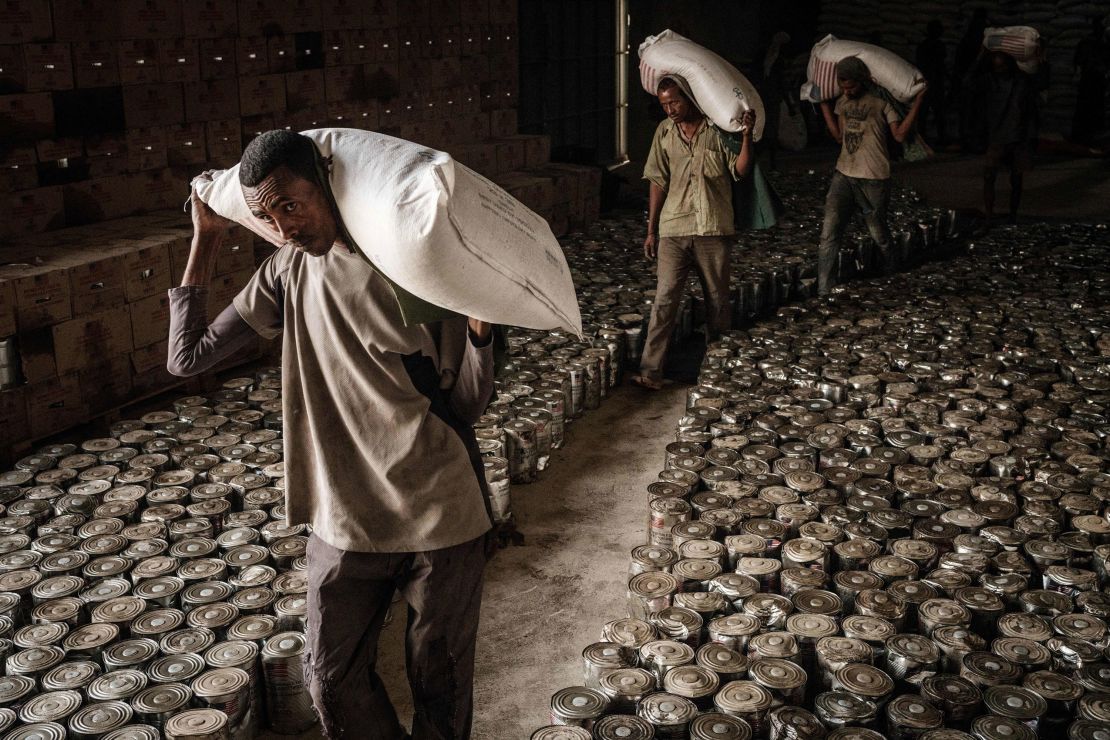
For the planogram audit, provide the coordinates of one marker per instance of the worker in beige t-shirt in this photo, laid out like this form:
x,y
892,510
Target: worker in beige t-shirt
x,y
859,123
690,220
380,455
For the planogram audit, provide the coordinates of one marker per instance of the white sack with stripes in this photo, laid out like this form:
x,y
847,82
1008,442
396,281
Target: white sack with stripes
x,y
1021,42
900,78
716,87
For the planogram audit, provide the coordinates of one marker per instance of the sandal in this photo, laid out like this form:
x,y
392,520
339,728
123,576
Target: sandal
x,y
642,381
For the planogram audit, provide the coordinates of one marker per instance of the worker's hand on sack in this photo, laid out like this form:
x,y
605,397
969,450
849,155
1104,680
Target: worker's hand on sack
x,y
651,246
747,122
206,222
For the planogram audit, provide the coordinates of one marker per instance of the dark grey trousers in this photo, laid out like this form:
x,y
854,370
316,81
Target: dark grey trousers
x,y
348,596
845,195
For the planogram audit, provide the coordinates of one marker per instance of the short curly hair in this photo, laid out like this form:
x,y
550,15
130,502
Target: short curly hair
x,y
273,149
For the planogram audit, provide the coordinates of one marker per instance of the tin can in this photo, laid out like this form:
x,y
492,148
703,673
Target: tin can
x,y
661,656
650,592
625,687
669,714
957,697
910,716
692,682
840,709
747,701
601,658
198,724
288,701
95,720
622,727
225,689
578,706
990,727
629,633
733,631
156,705
834,653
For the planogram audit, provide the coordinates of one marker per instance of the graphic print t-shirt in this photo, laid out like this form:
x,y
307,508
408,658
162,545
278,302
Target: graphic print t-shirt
x,y
864,123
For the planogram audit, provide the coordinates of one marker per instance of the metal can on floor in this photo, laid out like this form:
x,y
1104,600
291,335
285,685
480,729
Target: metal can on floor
x,y
601,658
288,702
625,687
198,724
623,727
523,459
225,689
910,716
669,714
93,721
747,701
578,706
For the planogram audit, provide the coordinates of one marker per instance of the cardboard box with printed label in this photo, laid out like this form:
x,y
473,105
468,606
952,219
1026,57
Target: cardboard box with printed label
x,y
106,384
13,410
150,320
261,95
36,355
281,54
223,289
30,211
82,340
97,199
340,15
185,144
151,19
29,116
49,67
305,90
95,273
237,253
96,63
204,19
146,268
13,69
222,139
252,56
153,105
217,59
139,62
25,21
146,149
85,20
211,100
179,60
156,190
55,404
52,150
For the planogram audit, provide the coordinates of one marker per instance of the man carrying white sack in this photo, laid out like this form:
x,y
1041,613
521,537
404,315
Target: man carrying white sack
x,y
859,123
380,456
690,220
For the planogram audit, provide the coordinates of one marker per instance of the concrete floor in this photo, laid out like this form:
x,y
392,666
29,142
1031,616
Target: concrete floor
x,y
546,600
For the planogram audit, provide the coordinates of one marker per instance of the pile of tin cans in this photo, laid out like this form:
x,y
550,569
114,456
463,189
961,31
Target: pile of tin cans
x,y
149,584
884,514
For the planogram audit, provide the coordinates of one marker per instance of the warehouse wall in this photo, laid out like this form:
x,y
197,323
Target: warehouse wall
x,y
108,105
901,27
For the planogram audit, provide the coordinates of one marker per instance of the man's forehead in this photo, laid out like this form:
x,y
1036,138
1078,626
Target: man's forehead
x,y
272,187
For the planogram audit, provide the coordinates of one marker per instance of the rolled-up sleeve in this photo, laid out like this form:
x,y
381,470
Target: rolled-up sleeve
x,y
657,168
194,344
474,385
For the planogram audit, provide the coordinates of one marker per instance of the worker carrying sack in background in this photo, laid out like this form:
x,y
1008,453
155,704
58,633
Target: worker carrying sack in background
x,y
443,236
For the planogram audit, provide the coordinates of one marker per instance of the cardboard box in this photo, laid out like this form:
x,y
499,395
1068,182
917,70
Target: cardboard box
x,y
157,190
336,48
13,70
52,150
210,18
149,359
7,308
48,67
224,288
380,14
36,355
41,294
96,63
81,342
150,320
146,149
265,17
24,21
95,276
237,253
281,51
252,56
146,268
346,84
211,100
29,211
13,410
54,404
106,384
253,126
262,94
153,105
98,199
510,154
179,60
309,118
305,89
151,19
222,139
218,59
503,122
185,145
480,157
339,15
85,20
139,62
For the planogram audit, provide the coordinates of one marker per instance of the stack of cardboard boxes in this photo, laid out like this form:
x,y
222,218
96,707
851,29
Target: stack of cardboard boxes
x,y
109,107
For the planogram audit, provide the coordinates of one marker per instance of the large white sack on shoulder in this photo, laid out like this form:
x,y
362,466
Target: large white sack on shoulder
x,y
437,229
1020,42
719,89
901,79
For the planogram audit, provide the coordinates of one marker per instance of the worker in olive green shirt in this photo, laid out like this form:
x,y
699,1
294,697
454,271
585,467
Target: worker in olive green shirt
x,y
690,220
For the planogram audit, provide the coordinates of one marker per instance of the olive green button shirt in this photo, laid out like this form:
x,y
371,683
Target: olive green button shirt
x,y
697,177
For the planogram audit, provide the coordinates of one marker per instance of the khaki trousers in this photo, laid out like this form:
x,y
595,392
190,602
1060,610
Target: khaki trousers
x,y
709,255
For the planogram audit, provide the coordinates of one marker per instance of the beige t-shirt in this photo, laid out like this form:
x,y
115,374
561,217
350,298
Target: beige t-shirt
x,y
697,176
864,123
376,457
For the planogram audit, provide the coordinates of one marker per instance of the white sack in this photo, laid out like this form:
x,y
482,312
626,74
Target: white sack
x,y
718,89
437,229
899,77
1020,42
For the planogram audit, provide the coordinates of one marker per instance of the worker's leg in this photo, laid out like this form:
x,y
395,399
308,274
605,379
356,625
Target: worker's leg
x,y
711,256
444,593
674,261
838,209
873,199
348,596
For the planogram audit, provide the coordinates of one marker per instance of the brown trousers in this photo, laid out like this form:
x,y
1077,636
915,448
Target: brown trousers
x,y
709,255
348,596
